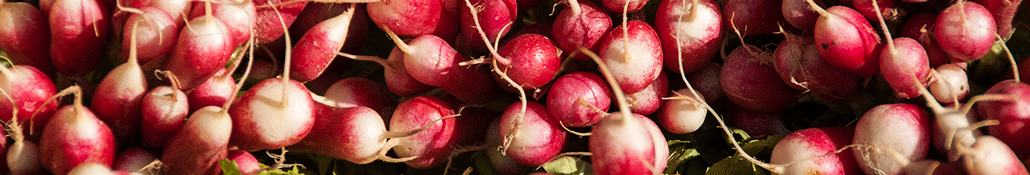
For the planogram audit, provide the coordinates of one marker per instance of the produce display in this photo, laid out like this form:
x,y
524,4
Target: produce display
x,y
512,87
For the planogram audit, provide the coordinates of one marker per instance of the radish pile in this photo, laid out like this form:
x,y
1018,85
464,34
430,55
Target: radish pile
x,y
514,87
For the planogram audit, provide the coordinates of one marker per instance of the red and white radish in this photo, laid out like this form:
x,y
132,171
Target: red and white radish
x,y
649,99
990,156
753,16
30,89
117,98
397,78
163,110
25,32
1003,11
950,84
213,92
530,60
573,98
77,35
500,162
1013,116
245,162
682,113
177,9
133,160
626,6
319,45
965,31
636,53
694,28
807,150
75,136
22,156
495,18
270,116
538,139
749,79
886,9
239,18
583,24
416,17
902,59
799,64
847,40
352,92
799,13
903,128
271,15
200,51
156,35
920,27
431,146
430,60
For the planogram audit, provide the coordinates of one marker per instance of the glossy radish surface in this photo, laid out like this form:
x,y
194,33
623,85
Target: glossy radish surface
x,y
538,138
638,53
691,29
25,31
563,100
75,136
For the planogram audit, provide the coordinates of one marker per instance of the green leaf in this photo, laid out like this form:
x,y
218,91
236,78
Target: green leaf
x,y
679,154
735,165
229,167
568,165
482,165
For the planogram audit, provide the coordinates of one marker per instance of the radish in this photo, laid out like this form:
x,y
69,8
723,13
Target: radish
x,y
397,78
163,110
756,124
352,92
272,114
356,134
951,84
177,9
539,138
30,89
990,156
530,60
706,81
430,60
270,14
200,51
245,162
25,34
119,15
117,97
239,18
416,17
799,65
635,49
77,35
495,18
749,79
498,160
213,92
156,35
625,6
648,101
317,48
814,151
681,114
1003,11
573,98
965,31
920,27
901,60
315,13
754,17
75,136
133,160
886,9
799,14
691,27
91,169
22,156
846,40
431,146
901,127
1012,115
951,129
583,24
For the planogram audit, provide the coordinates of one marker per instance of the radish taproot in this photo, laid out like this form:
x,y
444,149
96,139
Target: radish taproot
x,y
22,156
75,136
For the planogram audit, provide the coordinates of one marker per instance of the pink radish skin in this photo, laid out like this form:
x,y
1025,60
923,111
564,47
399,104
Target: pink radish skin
x,y
75,136
903,62
619,5
213,92
1013,116
117,99
156,35
684,115
495,19
848,41
400,82
133,160
990,156
22,156
25,32
268,24
500,162
355,134
245,162
30,89
415,17
584,29
562,100
750,80
164,110
1003,11
901,127
77,35
623,145
914,28
887,9
118,16
799,14
198,145
353,92
531,60
432,61
648,101
239,18
317,48
539,138
753,16
706,81
799,64
756,124
262,120
640,59
432,145
315,13
965,31
700,33
199,53
175,9
957,86
812,143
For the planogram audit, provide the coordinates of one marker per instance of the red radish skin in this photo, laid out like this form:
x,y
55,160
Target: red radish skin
x,y
317,48
1013,116
263,120
75,136
239,18
847,40
799,64
315,13
582,29
77,35
133,160
415,17
30,89
887,9
175,8
199,144
628,5
622,145
430,60
269,21
245,162
500,162
495,18
951,84
213,92
163,110
813,143
753,16
706,81
750,80
698,25
156,34
682,115
432,145
966,31
25,32
397,78
639,58
990,156
920,27
539,138
903,128
563,99
756,124
352,92
119,15
799,14
648,101
117,99
903,62
199,53
1003,11
355,134
531,60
